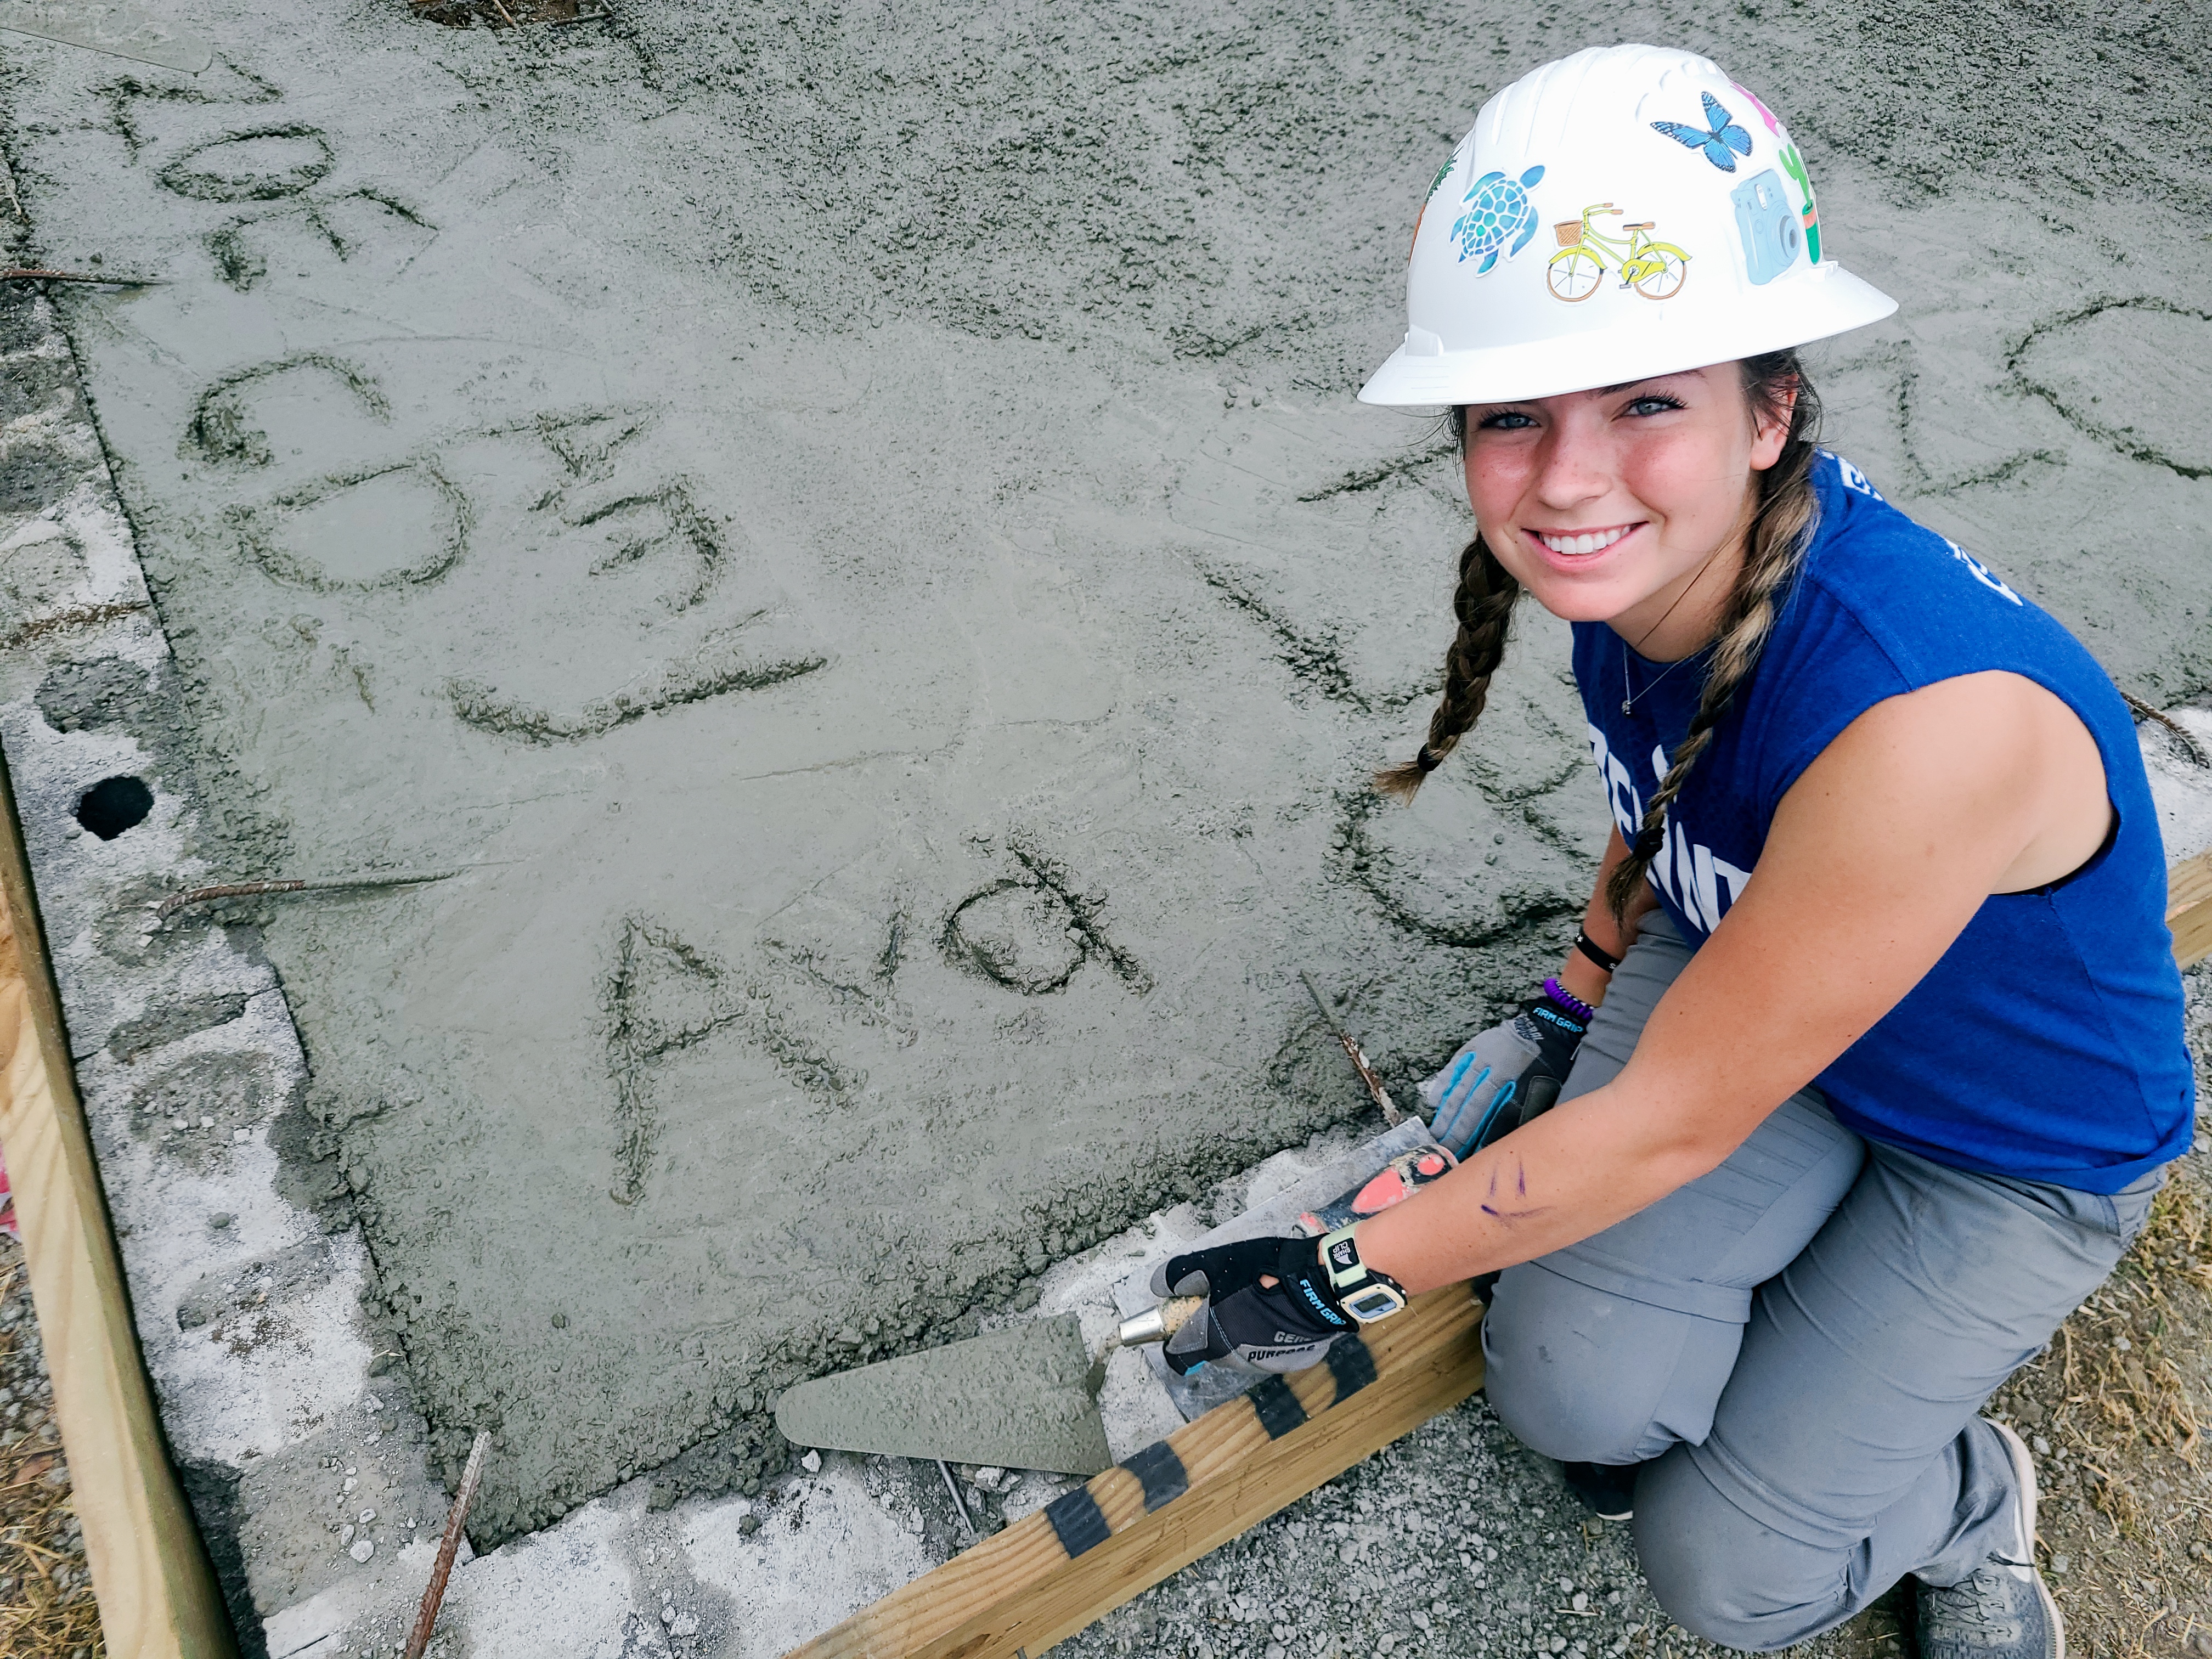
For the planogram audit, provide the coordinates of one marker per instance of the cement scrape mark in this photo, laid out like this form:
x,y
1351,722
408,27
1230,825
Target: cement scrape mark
x,y
1900,362
1030,932
118,97
663,997
394,526
262,164
683,527
1314,659
228,427
721,668
2127,372
585,443
347,227
1403,469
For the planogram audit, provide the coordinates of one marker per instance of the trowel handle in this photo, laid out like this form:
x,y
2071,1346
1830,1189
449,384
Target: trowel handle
x,y
1158,1324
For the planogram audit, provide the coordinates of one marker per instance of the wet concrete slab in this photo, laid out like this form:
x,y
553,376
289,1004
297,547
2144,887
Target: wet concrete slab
x,y
851,533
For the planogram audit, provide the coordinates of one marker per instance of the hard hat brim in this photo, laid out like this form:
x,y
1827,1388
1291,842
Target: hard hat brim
x,y
1790,316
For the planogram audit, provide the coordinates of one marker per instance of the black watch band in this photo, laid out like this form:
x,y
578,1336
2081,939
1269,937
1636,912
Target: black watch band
x,y
1364,1293
1597,953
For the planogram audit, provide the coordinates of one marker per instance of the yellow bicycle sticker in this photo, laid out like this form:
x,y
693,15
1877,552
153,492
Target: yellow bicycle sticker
x,y
1654,269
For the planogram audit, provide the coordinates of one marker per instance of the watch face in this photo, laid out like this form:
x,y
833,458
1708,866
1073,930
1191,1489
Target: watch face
x,y
1375,1302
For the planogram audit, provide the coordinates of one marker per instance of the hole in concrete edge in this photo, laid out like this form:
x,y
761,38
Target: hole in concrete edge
x,y
114,804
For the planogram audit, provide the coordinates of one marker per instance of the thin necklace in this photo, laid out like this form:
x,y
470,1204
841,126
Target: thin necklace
x,y
1628,698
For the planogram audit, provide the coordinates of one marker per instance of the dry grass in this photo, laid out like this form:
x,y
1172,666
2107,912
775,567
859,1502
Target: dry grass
x,y
46,1608
2117,1411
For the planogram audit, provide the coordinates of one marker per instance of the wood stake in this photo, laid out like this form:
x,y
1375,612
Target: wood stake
x,y
2188,908
158,1598
419,1638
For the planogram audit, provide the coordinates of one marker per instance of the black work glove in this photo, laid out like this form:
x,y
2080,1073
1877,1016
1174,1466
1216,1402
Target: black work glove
x,y
1507,1076
1285,1327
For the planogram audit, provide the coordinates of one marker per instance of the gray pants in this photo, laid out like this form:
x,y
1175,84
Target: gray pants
x,y
1795,1346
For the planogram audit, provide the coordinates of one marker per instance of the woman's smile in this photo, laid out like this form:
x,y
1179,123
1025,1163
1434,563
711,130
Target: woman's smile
x,y
1572,549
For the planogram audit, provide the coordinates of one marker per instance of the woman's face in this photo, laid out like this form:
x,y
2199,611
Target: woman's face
x,y
1609,506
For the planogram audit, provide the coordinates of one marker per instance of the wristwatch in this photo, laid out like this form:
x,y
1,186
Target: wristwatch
x,y
1364,1293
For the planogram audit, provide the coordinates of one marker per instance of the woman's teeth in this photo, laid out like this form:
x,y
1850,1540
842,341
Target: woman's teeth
x,y
1596,542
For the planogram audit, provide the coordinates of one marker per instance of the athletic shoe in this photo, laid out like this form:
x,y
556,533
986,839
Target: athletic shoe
x,y
2003,1609
1607,1490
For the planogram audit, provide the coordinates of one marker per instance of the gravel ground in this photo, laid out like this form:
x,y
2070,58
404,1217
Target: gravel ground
x,y
46,1609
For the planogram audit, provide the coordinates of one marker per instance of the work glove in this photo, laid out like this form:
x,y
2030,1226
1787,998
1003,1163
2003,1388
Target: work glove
x,y
1285,1327
1506,1077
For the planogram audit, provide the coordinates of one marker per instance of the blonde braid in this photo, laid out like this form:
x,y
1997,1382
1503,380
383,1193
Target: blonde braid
x,y
1781,530
1484,602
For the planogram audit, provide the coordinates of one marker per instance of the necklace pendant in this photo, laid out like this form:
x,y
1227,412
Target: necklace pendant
x,y
1627,705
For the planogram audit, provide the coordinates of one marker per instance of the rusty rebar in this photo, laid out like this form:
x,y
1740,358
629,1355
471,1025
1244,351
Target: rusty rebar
x,y
1352,1052
33,274
2144,711
176,902
434,1592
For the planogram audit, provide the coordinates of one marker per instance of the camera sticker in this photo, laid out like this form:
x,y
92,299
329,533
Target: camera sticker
x,y
1809,215
1721,140
1654,269
1769,225
1497,208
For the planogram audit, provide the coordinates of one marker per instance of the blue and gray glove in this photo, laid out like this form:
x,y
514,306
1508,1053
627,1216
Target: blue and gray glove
x,y
1506,1077
1283,1326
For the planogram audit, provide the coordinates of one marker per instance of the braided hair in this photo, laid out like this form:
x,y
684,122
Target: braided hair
x,y
1781,529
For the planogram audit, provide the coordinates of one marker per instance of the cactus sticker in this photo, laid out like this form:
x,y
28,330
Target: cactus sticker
x,y
1808,216
1497,208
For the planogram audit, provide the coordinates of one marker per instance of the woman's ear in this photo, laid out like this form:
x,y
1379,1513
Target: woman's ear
x,y
1771,421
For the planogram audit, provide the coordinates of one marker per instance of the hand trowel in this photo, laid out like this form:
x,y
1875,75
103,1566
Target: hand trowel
x,y
1024,1397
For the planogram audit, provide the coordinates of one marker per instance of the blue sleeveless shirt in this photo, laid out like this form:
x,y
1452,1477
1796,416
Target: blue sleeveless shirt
x,y
2047,1043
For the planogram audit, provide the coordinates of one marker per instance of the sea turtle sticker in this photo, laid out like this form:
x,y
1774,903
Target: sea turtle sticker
x,y
1497,208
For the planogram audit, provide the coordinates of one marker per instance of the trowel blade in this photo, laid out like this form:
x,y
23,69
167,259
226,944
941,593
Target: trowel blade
x,y
1020,1398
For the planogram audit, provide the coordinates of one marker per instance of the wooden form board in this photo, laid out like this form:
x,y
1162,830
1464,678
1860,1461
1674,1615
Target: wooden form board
x,y
2188,908
1050,1574
158,1598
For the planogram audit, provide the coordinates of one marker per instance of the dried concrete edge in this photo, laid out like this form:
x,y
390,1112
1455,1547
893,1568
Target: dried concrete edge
x,y
148,1005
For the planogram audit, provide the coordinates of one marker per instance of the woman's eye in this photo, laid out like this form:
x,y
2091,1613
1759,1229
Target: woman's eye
x,y
1653,405
1505,420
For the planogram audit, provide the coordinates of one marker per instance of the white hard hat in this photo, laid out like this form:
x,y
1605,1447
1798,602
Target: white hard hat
x,y
1626,212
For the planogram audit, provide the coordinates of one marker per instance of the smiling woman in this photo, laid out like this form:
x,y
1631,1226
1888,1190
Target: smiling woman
x,y
1868,1061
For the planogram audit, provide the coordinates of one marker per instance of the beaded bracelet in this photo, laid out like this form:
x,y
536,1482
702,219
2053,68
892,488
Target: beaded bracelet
x,y
1568,1001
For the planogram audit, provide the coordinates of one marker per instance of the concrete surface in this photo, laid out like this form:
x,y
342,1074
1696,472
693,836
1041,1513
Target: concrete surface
x,y
851,524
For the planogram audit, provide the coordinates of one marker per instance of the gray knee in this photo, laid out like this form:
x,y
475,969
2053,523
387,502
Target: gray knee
x,y
1588,1376
1723,1576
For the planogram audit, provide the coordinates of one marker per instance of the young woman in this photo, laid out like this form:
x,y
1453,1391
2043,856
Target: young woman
x,y
1869,1059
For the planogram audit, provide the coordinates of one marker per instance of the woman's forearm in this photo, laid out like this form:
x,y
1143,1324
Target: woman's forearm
x,y
1575,1171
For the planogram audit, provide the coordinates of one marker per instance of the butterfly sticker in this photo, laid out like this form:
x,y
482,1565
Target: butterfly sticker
x,y
1718,138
